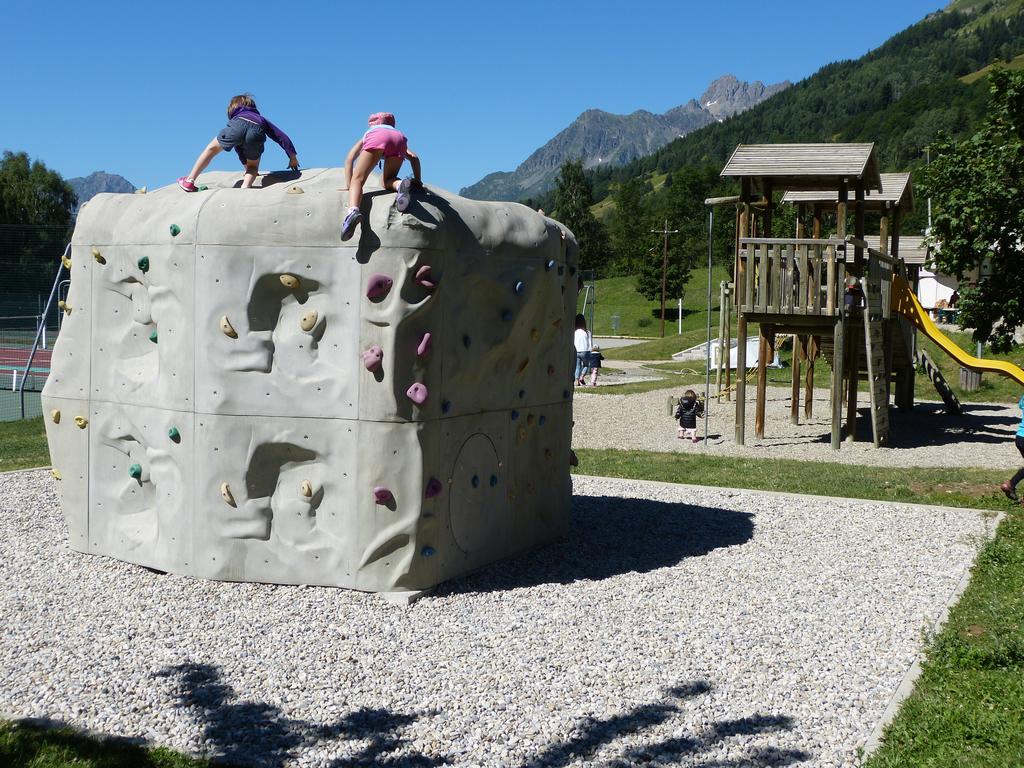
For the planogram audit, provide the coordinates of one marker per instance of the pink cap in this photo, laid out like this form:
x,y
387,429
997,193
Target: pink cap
x,y
381,118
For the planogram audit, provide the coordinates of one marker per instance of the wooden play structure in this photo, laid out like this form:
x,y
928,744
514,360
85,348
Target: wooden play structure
x,y
844,299
832,293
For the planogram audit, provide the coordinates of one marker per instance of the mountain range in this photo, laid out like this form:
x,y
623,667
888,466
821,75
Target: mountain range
x,y
87,187
601,138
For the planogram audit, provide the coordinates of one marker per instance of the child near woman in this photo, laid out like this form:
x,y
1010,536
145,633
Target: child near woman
x,y
246,133
688,411
1010,488
381,140
584,343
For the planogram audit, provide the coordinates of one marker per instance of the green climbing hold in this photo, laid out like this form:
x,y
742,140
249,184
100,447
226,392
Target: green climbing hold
x,y
202,188
135,470
152,337
143,263
175,230
174,434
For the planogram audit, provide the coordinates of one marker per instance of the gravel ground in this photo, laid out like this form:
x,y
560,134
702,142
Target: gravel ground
x,y
679,626
981,437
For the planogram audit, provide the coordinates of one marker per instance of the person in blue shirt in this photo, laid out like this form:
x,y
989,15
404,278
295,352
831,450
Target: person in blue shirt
x,y
1010,488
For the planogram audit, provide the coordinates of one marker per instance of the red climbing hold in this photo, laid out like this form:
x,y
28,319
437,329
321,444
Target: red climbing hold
x,y
417,393
434,488
423,348
423,277
372,357
378,286
382,495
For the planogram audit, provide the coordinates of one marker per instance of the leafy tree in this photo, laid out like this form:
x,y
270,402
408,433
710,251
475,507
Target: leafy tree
x,y
630,229
573,198
976,185
32,194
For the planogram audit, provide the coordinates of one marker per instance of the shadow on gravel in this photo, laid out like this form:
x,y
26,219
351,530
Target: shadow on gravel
x,y
593,733
256,734
612,535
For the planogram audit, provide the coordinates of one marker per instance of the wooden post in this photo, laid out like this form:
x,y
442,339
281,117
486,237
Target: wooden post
x,y
811,352
853,380
883,229
799,341
764,331
837,382
858,226
740,297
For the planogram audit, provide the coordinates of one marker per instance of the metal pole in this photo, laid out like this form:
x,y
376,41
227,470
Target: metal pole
x,y
679,317
35,344
664,271
707,349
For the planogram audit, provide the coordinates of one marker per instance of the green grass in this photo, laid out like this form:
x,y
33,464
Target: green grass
x,y
640,317
23,445
33,747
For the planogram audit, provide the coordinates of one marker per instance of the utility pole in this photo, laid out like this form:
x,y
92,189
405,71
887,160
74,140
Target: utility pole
x,y
664,268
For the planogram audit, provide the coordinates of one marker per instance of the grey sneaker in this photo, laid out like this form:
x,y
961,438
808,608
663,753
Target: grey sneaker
x,y
404,194
348,226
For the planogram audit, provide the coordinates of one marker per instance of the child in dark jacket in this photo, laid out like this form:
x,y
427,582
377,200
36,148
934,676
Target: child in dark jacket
x,y
688,411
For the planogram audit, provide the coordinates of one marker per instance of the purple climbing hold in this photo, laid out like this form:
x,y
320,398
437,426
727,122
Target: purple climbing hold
x,y
417,393
423,348
378,286
434,488
382,495
372,357
446,406
423,277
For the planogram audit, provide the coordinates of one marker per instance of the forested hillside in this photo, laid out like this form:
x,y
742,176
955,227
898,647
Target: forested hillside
x,y
924,82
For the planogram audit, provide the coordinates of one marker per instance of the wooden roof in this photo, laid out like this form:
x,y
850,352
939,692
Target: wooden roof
x,y
805,166
896,189
912,249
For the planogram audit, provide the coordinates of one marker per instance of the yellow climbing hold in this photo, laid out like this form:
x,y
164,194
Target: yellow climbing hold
x,y
55,415
520,433
290,282
306,488
535,335
81,422
56,474
228,328
522,365
141,191
225,492
66,262
295,190
308,320
98,256
64,306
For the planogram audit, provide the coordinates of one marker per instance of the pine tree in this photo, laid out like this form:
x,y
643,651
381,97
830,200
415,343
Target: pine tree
x,y
573,198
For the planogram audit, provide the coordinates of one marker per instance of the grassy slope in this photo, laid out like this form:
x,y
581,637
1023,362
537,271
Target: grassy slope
x,y
23,445
640,317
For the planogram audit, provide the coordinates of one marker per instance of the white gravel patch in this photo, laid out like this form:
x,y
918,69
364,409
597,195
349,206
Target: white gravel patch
x,y
677,626
926,437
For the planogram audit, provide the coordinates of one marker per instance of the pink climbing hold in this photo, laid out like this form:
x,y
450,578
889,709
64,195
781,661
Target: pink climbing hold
x,y
417,393
372,357
382,495
434,488
423,348
378,286
423,277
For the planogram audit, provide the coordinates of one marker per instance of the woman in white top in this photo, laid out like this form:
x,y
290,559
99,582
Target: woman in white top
x,y
583,342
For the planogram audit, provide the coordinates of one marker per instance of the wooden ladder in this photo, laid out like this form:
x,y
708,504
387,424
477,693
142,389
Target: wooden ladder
x,y
878,375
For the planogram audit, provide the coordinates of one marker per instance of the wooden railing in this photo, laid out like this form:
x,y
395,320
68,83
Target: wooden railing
x,y
791,276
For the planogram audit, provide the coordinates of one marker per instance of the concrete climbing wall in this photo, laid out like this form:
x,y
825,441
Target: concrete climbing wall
x,y
236,394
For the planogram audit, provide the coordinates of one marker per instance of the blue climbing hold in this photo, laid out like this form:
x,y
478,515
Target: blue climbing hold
x,y
428,551
494,480
565,394
476,481
515,415
522,393
550,265
542,420
506,315
465,341
446,406
520,287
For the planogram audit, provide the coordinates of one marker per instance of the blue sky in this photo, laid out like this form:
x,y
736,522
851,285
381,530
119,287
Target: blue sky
x,y
138,88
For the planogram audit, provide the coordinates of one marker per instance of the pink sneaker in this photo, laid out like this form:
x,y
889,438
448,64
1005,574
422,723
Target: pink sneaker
x,y
403,198
187,184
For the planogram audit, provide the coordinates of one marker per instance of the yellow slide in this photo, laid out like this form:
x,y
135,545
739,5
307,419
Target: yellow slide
x,y
905,302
